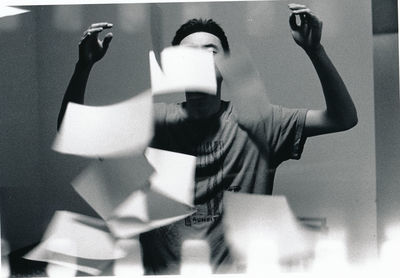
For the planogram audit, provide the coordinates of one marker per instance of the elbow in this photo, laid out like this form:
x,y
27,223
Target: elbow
x,y
343,122
349,122
354,121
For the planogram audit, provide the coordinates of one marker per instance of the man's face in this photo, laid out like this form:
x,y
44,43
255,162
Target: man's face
x,y
205,41
208,42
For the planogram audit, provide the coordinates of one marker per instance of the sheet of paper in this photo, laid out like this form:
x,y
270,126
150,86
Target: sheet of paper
x,y
161,211
10,11
92,267
161,84
105,184
129,227
132,264
183,69
135,206
173,175
246,89
259,218
120,129
80,236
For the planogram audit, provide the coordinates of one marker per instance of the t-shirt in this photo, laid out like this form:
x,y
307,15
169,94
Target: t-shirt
x,y
227,158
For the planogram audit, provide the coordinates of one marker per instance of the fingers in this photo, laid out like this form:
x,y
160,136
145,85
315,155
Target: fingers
x,y
104,25
293,23
306,15
93,31
294,6
302,11
107,40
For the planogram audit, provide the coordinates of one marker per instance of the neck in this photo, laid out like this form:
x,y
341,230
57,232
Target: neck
x,y
202,107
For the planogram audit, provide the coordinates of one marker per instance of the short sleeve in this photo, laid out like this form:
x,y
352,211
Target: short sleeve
x,y
285,128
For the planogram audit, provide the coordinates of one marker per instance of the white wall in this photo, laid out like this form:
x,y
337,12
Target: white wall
x,y
387,111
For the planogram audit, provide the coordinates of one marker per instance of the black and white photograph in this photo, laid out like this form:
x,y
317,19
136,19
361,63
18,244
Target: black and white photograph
x,y
199,138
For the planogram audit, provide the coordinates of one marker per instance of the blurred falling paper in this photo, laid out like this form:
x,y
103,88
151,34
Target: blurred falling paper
x,y
160,84
128,227
161,211
174,174
169,199
246,89
131,265
106,184
259,218
93,267
76,235
135,206
115,130
9,11
183,69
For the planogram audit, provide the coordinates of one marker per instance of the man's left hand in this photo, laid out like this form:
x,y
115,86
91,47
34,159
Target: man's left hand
x,y
308,33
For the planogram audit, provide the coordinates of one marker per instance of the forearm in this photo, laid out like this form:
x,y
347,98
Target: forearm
x,y
76,89
339,106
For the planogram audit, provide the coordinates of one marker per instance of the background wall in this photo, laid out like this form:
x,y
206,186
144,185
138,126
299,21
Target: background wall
x,y
387,117
336,177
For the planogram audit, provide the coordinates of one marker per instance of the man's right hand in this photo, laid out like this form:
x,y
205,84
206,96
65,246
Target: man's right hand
x,y
91,48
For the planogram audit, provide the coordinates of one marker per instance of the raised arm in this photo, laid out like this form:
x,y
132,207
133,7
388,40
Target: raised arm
x,y
91,50
340,113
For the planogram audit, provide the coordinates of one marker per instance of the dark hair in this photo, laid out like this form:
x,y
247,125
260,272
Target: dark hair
x,y
201,25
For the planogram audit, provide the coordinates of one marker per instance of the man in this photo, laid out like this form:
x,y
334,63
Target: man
x,y
234,152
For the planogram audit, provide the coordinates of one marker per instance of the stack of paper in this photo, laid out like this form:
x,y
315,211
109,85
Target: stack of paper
x,y
183,69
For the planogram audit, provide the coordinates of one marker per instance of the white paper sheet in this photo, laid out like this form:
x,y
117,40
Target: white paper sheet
x,y
106,184
183,69
135,206
80,236
173,175
93,267
129,227
161,211
254,218
247,91
10,11
160,83
132,264
120,129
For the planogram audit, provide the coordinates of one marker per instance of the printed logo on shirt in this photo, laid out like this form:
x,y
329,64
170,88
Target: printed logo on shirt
x,y
209,175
